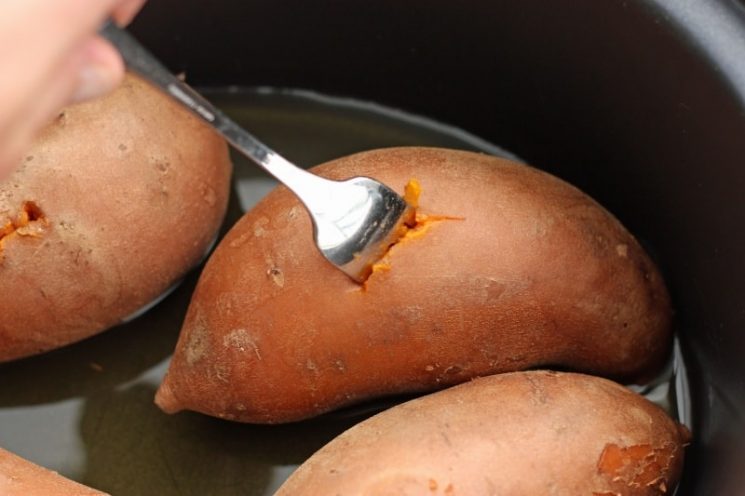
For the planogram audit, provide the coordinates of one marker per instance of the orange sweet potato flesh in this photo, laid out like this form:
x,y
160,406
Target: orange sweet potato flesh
x,y
415,226
533,273
19,477
517,434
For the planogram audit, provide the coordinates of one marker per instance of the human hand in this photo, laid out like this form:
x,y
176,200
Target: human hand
x,y
51,56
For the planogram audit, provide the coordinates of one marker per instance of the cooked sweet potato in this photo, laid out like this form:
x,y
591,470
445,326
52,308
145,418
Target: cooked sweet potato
x,y
116,200
508,268
19,477
524,433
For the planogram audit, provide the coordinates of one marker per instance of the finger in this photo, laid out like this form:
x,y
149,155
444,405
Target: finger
x,y
93,69
50,77
126,11
39,109
102,70
67,22
10,158
20,130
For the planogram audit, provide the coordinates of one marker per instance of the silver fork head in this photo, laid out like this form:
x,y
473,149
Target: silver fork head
x,y
355,221
360,221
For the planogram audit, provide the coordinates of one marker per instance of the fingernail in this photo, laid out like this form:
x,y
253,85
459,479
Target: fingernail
x,y
93,81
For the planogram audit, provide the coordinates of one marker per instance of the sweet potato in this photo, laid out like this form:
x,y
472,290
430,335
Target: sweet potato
x,y
523,433
19,477
508,268
115,201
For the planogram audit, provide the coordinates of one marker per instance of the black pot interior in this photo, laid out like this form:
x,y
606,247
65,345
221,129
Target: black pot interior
x,y
636,102
640,103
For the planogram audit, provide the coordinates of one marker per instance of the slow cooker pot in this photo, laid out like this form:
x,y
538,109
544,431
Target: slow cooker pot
x,y
641,103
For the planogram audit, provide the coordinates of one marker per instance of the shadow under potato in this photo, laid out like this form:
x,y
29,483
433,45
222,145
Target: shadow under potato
x,y
134,449
100,362
114,356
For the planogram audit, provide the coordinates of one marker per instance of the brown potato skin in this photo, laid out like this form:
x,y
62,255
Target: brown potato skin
x,y
132,189
535,274
19,477
516,434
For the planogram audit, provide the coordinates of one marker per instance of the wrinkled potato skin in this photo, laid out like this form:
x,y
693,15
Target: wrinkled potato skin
x,y
517,434
535,274
19,477
132,189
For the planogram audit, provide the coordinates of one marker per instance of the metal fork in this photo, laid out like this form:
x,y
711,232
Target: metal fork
x,y
354,221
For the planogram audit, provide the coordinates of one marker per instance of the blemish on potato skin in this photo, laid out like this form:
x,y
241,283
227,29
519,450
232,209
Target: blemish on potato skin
x,y
240,240
222,373
293,213
208,194
403,483
453,370
277,276
539,393
410,314
622,250
241,340
446,437
517,358
259,227
541,225
163,166
197,344
66,226
311,366
493,290
437,328
224,305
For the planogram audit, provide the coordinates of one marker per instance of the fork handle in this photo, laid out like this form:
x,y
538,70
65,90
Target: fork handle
x,y
303,183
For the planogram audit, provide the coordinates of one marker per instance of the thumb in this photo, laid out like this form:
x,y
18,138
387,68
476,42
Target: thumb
x,y
100,72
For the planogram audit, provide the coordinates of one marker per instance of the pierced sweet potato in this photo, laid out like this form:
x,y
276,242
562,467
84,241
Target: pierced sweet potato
x,y
533,273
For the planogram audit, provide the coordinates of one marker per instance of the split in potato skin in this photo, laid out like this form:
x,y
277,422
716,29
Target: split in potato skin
x,y
30,221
